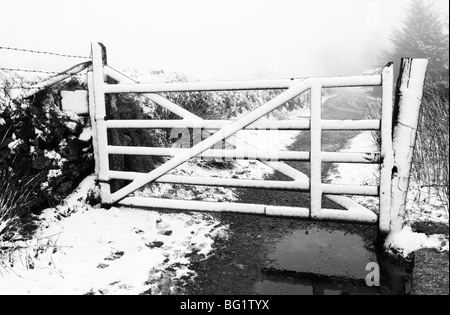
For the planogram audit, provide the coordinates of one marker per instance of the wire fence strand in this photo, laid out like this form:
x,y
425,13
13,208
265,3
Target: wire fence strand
x,y
28,70
43,52
31,85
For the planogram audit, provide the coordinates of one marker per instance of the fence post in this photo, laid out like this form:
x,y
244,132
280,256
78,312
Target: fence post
x,y
98,83
387,154
406,112
116,162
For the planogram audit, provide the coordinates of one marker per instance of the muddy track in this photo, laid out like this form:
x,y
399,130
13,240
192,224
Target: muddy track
x,y
243,261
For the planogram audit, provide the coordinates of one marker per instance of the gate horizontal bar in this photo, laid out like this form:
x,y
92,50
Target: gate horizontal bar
x,y
352,190
346,216
219,182
275,211
331,82
304,124
242,154
301,186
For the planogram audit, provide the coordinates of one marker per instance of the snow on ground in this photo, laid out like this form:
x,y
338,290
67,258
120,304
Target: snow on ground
x,y
79,249
406,242
422,206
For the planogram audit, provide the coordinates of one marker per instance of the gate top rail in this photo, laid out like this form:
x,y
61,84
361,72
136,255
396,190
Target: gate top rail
x,y
325,82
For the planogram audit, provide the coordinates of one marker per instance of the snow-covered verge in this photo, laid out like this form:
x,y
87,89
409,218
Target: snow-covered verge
x,y
407,241
81,249
422,206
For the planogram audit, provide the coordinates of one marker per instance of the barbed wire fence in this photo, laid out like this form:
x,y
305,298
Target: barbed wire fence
x,y
36,71
44,52
28,70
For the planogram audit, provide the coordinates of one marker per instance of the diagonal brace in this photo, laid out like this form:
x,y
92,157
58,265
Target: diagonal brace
x,y
224,133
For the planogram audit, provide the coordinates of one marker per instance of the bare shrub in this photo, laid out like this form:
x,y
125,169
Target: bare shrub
x,y
431,155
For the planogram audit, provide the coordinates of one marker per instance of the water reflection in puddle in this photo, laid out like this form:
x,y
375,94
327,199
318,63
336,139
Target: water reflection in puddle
x,y
311,285
324,262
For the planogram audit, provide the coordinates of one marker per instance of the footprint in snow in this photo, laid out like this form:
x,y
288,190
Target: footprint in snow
x,y
138,231
112,257
155,244
115,256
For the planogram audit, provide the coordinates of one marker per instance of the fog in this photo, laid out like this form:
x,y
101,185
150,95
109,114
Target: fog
x,y
207,39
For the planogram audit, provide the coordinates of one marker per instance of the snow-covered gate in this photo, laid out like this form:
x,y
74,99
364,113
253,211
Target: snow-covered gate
x,y
223,130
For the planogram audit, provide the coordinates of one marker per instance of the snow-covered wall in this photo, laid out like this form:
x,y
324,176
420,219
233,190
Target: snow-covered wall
x,y
40,140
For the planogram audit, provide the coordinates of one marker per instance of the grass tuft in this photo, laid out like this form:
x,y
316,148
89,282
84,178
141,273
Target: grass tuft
x,y
18,186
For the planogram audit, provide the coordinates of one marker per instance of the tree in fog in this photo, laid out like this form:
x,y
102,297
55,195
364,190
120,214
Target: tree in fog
x,y
423,34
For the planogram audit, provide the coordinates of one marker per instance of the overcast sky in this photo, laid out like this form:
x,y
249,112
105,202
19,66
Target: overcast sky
x,y
232,39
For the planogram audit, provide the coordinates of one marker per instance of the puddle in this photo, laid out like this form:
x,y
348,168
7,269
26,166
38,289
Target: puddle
x,y
311,285
324,262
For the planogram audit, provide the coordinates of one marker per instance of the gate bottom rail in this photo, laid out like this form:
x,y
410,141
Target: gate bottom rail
x,y
352,216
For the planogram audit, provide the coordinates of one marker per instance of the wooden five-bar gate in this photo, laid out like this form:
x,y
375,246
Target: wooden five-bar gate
x,y
393,171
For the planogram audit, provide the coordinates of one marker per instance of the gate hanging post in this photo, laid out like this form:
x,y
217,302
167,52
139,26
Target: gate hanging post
x,y
407,109
97,98
116,161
